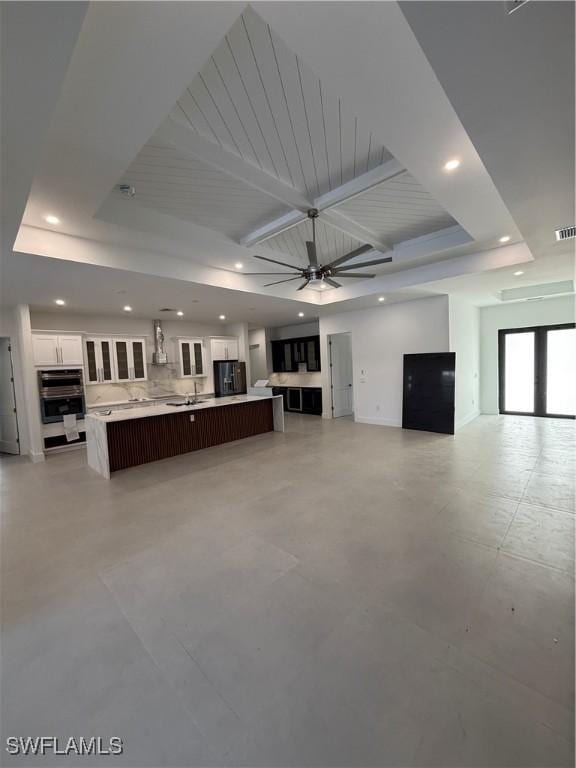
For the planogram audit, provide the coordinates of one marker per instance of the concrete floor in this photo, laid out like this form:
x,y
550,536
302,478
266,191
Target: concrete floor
x,y
338,595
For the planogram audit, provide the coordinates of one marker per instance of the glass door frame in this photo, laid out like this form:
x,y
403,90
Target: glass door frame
x,y
540,366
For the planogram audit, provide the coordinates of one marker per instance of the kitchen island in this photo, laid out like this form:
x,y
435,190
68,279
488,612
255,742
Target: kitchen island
x,y
125,438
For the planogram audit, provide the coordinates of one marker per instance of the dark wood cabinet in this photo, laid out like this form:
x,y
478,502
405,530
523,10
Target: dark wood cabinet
x,y
288,354
306,399
312,400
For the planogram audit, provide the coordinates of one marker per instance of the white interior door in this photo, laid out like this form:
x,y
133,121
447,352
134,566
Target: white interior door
x,y
341,374
8,422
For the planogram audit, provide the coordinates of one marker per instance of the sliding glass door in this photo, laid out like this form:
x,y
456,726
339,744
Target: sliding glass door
x,y
537,371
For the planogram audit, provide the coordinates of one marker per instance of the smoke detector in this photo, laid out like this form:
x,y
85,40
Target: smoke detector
x,y
127,190
566,233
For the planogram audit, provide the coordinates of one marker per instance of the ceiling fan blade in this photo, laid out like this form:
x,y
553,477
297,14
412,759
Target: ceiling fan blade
x,y
312,256
277,282
331,282
383,260
268,273
304,284
340,275
274,261
357,252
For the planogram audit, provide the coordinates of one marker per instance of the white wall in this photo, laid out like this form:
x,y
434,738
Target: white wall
x,y
261,365
380,337
295,331
517,315
465,342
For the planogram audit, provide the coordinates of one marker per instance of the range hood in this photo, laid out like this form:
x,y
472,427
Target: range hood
x,y
159,356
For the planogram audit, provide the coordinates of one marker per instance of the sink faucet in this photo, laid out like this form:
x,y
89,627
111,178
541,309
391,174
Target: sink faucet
x,y
194,399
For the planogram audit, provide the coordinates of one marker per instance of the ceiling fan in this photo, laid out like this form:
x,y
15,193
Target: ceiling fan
x,y
320,276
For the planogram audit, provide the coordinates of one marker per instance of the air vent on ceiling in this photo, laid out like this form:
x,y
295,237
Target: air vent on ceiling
x,y
566,233
539,291
167,309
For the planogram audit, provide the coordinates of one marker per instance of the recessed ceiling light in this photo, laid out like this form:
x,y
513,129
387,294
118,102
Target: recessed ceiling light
x,y
127,308
60,302
300,314
381,298
180,313
238,265
222,317
451,165
505,238
51,219
518,273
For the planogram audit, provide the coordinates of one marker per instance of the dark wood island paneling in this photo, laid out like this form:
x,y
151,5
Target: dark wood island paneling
x,y
139,441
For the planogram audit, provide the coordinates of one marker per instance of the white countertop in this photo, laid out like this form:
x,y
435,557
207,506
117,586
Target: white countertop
x,y
161,409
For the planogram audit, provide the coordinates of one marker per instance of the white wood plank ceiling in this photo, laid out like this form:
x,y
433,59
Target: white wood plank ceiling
x,y
257,99
256,102
172,182
396,210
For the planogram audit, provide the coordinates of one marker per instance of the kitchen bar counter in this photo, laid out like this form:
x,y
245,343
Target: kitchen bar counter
x,y
132,436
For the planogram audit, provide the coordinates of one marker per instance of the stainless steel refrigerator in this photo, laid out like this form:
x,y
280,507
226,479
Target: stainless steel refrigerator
x,y
229,378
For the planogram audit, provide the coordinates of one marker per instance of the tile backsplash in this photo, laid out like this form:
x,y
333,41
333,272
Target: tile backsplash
x,y
295,379
162,380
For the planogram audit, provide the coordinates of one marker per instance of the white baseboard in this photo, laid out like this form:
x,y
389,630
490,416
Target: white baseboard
x,y
36,457
378,421
466,420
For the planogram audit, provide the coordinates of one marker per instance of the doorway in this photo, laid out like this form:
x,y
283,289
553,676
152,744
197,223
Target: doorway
x,y
340,347
9,440
537,371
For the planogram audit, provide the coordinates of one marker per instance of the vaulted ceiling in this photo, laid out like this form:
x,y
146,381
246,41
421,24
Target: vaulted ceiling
x,y
256,113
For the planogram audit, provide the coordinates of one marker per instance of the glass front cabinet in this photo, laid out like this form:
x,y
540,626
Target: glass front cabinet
x,y
130,358
111,360
192,359
99,363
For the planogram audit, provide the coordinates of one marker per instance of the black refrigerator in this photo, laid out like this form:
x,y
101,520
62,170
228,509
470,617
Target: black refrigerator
x,y
428,401
229,378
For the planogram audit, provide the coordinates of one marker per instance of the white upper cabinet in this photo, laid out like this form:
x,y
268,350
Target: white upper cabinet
x,y
70,350
130,359
99,361
224,349
57,349
192,358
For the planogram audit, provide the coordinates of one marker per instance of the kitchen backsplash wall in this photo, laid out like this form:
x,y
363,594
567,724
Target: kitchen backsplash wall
x,y
295,379
162,380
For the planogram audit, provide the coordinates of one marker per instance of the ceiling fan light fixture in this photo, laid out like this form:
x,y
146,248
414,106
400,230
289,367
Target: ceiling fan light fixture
x,y
318,284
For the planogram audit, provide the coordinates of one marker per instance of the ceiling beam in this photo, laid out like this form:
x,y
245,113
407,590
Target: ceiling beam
x,y
281,224
328,201
359,185
207,151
